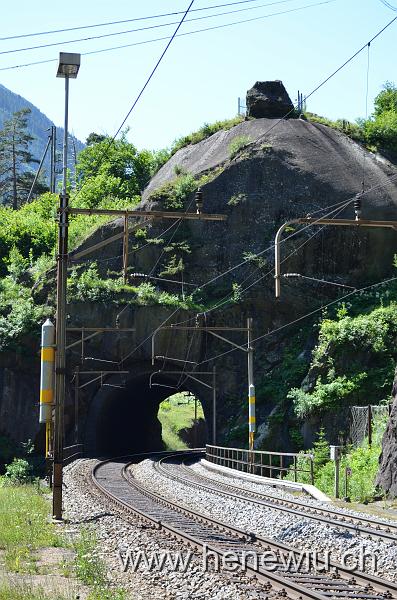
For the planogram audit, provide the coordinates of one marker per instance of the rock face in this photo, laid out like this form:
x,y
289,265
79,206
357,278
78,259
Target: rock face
x,y
297,168
387,476
268,99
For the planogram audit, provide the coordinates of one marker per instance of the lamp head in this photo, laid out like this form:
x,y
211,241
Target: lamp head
x,y
69,65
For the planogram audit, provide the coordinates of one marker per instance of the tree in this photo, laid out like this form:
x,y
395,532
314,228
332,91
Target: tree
x,y
95,138
386,100
15,158
117,160
381,129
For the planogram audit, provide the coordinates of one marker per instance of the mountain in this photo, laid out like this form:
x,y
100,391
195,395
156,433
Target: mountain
x,y
38,125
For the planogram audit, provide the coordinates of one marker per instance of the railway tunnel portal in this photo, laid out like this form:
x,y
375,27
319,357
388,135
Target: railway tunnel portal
x,y
123,416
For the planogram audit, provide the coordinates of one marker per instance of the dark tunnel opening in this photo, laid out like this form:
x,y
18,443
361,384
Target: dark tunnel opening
x,y
124,420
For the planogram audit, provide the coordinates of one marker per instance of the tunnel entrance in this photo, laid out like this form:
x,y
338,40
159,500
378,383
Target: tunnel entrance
x,y
182,421
124,418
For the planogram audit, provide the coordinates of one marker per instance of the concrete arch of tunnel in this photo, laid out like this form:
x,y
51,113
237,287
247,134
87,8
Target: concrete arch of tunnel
x,y
125,420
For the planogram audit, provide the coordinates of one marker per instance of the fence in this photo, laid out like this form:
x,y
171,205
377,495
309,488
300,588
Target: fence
x,y
264,463
362,419
70,453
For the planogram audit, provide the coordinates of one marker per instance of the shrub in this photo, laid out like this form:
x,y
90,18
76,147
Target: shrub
x,y
204,132
239,142
19,471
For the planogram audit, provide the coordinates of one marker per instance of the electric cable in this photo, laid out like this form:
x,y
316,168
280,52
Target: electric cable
x,y
227,298
167,319
137,30
366,112
215,27
388,5
108,23
322,83
321,308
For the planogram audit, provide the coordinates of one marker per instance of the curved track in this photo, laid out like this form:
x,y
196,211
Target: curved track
x,y
373,528
114,480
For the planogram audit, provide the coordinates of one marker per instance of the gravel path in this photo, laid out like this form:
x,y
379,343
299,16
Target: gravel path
x,y
85,507
299,532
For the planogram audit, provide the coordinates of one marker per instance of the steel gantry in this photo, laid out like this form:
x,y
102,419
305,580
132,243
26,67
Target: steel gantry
x,y
194,376
63,259
356,222
248,348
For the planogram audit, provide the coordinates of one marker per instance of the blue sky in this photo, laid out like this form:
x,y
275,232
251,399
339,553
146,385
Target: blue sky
x,y
202,75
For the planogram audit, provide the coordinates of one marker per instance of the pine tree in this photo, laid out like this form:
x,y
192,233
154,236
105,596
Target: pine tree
x,y
321,451
15,157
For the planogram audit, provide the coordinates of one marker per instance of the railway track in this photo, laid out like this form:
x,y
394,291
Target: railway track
x,y
372,528
115,481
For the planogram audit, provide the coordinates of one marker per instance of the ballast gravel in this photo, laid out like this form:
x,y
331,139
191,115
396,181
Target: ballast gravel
x,y
263,488
299,532
86,508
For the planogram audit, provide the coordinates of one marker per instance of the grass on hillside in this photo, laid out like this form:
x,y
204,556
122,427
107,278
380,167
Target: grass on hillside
x,y
24,526
25,592
175,414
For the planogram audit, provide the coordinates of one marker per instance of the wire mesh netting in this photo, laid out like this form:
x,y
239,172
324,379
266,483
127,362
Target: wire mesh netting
x,y
359,422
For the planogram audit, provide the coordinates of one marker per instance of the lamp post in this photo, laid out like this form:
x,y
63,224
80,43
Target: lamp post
x,y
67,69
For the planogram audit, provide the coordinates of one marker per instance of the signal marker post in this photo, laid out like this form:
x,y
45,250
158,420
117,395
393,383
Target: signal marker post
x,y
251,387
60,365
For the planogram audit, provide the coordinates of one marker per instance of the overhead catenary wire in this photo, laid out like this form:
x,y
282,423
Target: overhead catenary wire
x,y
109,23
388,5
215,27
174,312
167,319
307,315
311,93
137,30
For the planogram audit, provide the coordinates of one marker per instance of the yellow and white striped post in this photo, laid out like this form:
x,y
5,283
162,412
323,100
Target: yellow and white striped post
x,y
251,415
47,378
251,387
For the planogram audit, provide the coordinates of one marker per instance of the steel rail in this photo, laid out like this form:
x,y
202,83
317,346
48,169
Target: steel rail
x,y
119,487
373,528
366,579
316,510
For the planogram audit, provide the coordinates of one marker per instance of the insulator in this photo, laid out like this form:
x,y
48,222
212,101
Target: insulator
x,y
357,206
199,201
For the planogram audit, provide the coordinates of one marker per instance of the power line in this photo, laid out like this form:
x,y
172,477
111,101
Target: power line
x,y
215,27
157,26
388,5
321,308
108,23
167,319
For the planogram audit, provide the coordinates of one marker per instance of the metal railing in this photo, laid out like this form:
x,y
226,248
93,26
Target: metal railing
x,y
70,453
264,463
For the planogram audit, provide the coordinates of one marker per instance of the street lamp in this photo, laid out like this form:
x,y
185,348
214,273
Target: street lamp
x,y
67,69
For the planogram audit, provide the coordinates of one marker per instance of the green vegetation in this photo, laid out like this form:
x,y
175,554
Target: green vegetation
x,y
177,413
16,176
363,461
204,132
237,144
354,360
108,176
26,592
175,193
87,284
237,199
379,132
24,526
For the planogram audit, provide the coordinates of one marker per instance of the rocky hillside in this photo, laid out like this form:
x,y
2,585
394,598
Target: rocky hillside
x,y
260,173
38,122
